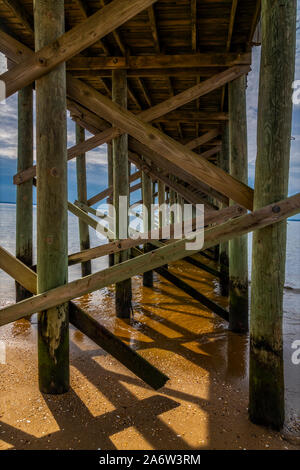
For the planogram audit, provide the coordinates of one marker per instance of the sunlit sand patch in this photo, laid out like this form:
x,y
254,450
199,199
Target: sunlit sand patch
x,y
139,392
4,445
188,424
196,348
130,439
91,396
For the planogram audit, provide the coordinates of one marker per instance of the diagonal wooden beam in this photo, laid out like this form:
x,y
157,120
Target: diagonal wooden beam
x,y
231,23
170,252
84,11
71,43
165,146
148,115
107,192
169,167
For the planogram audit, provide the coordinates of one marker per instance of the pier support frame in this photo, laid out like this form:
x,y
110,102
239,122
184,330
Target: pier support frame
x,y
24,216
147,202
238,247
110,174
224,247
84,236
52,223
271,185
121,188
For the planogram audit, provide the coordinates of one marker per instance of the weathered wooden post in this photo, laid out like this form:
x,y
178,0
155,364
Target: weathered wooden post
x,y
110,173
161,203
121,188
52,222
147,202
24,191
224,248
271,185
172,201
84,235
238,247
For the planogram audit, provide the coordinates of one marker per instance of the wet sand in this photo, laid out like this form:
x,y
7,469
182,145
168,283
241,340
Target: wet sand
x,y
202,406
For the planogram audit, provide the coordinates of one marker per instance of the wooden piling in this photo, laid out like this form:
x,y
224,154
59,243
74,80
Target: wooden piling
x,y
271,184
224,248
110,173
52,223
238,248
84,236
24,219
121,188
147,202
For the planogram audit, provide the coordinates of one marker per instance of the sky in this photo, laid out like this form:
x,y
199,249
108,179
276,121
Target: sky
x,y
97,159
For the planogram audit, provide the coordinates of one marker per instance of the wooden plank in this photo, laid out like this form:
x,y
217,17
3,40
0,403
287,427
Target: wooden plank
x,y
194,24
171,252
231,24
168,148
160,63
192,116
153,26
203,139
18,270
71,43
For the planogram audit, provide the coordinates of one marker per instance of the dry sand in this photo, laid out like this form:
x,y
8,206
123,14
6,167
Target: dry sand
x,y
202,406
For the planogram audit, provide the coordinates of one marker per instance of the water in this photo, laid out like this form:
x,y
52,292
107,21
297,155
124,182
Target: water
x,y
94,301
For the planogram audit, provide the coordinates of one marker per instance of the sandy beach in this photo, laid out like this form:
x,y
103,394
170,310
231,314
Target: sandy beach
x,y
202,406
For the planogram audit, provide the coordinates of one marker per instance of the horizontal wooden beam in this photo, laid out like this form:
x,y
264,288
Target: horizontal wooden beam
x,y
89,326
170,167
154,139
171,252
71,43
159,61
203,139
193,116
